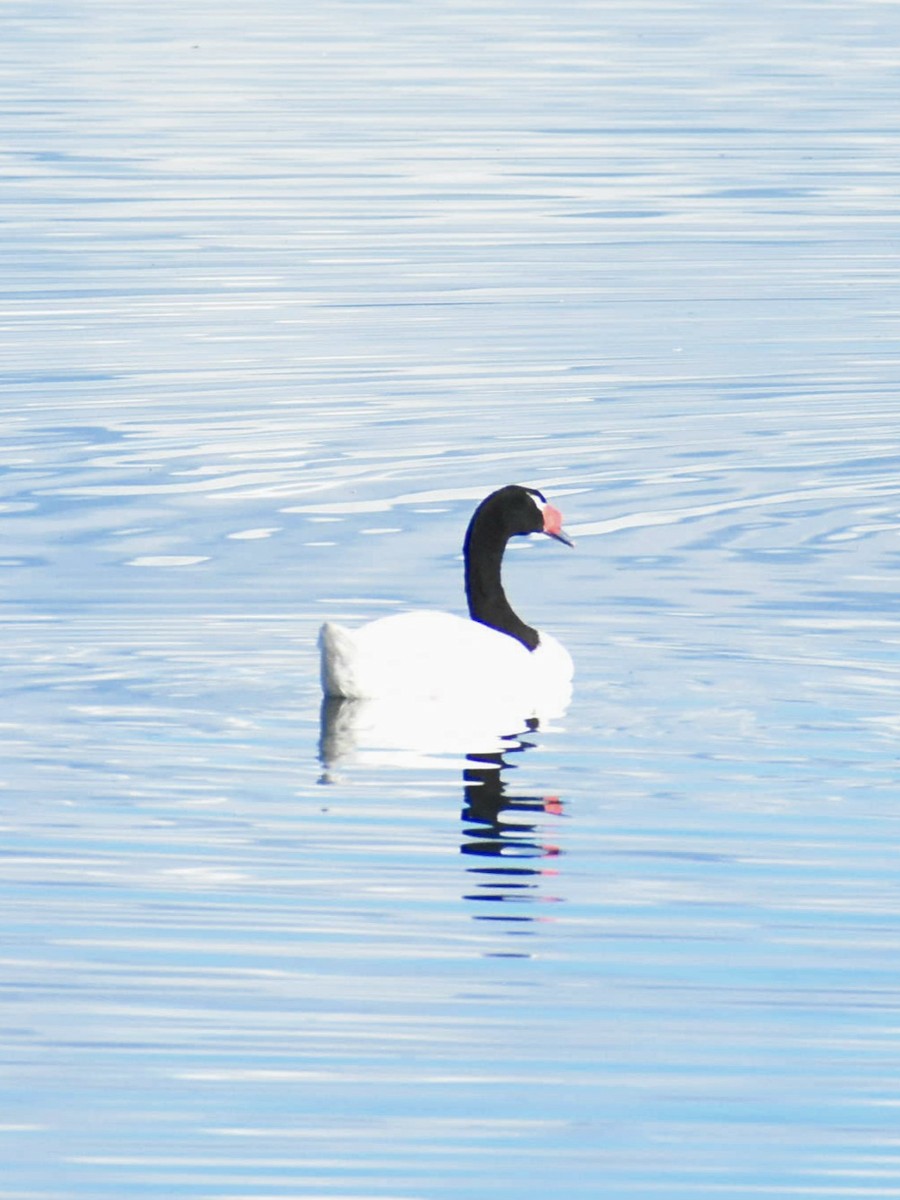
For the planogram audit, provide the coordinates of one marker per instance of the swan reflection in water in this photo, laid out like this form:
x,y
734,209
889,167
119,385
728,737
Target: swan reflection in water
x,y
503,834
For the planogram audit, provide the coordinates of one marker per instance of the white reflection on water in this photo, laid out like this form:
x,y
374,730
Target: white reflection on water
x,y
417,733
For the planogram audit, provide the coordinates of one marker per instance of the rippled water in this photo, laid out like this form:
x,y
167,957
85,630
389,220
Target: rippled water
x,y
285,292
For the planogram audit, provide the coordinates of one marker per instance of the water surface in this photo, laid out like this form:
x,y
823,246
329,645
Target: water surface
x,y
285,293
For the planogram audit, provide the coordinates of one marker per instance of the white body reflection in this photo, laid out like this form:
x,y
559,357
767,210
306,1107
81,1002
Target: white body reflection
x,y
414,732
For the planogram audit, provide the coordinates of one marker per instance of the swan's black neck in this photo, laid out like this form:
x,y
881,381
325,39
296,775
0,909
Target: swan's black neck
x,y
496,520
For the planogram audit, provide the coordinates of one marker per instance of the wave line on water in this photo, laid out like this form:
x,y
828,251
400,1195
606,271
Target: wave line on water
x,y
644,520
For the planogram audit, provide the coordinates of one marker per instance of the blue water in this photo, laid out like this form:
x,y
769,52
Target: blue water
x,y
285,292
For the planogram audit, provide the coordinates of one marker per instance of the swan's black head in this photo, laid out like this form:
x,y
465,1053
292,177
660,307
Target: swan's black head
x,y
515,510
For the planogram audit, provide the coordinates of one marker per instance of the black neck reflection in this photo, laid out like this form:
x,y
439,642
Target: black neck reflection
x,y
506,834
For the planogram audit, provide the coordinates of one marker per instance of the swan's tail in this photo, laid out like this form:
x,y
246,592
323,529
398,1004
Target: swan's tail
x,y
338,654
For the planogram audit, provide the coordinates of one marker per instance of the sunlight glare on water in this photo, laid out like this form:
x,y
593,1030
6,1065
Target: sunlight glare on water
x,y
286,293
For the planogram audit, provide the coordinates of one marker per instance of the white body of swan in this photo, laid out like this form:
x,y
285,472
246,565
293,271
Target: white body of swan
x,y
436,655
491,659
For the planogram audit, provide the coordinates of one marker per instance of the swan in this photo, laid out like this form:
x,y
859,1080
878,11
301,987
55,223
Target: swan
x,y
439,656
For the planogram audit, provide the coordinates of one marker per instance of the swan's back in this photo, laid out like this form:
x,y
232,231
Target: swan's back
x,y
436,655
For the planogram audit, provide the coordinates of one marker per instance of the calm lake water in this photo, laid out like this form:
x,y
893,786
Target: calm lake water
x,y
286,290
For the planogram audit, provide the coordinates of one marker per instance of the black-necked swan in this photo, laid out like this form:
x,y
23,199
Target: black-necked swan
x,y
439,655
